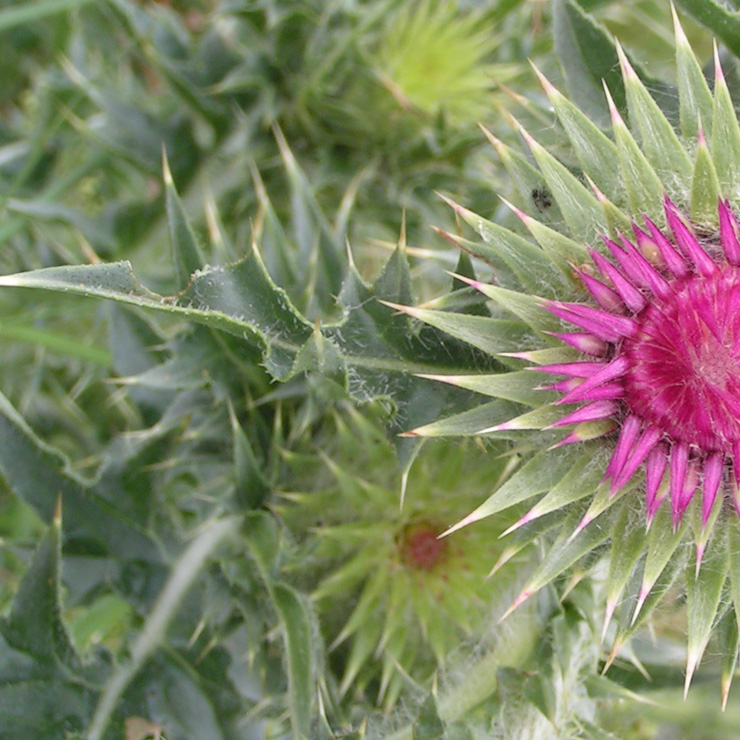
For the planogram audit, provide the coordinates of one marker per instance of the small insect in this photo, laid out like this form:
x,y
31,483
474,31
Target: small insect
x,y
542,199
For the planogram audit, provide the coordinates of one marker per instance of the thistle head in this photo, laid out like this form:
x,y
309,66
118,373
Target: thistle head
x,y
393,597
624,366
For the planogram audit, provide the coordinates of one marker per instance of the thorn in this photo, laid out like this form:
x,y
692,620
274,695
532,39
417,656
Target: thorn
x,y
496,143
678,31
611,605
719,75
518,601
691,664
613,112
587,519
449,237
627,71
726,684
402,234
699,556
616,647
547,86
644,593
523,216
504,558
166,172
528,517
469,519
397,306
57,520
460,210
599,195
470,281
515,96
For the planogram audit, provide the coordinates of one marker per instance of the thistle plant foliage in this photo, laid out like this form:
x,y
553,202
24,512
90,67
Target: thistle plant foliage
x,y
228,346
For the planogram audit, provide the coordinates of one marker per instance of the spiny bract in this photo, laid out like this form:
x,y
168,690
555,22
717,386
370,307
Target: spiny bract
x,y
645,262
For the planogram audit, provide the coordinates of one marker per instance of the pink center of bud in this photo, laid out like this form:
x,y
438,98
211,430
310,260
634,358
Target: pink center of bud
x,y
420,547
684,375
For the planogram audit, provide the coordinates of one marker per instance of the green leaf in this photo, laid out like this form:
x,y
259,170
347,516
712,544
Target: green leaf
x,y
539,474
492,336
251,487
580,481
186,251
659,141
565,552
56,341
540,690
39,475
320,254
529,308
722,22
186,709
581,210
695,99
185,571
520,387
428,724
595,151
703,591
644,188
727,634
587,56
363,645
528,181
532,266
40,706
561,249
472,422
734,548
663,541
240,299
299,646
362,614
627,548
704,188
725,138
262,536
35,625
39,210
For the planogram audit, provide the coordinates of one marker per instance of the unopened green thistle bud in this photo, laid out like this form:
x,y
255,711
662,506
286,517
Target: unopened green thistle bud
x,y
626,382
393,597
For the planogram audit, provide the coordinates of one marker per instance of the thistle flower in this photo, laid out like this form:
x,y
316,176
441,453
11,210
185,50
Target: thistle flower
x,y
629,299
393,598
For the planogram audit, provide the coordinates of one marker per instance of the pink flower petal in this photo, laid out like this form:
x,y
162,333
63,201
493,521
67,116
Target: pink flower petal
x,y
712,478
688,243
590,412
631,296
728,233
655,466
628,436
673,260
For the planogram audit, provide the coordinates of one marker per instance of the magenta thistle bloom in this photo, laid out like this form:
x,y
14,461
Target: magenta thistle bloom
x,y
629,299
666,335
